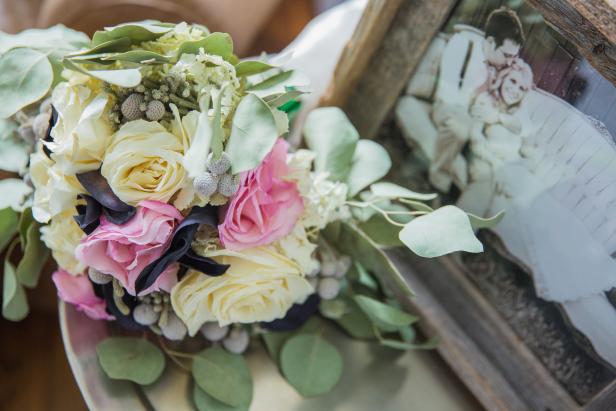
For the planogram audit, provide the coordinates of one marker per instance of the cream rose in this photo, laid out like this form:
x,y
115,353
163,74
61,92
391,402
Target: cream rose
x,y
144,162
83,130
62,236
54,191
260,285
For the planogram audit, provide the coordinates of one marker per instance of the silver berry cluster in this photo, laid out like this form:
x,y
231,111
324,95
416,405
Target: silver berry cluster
x,y
154,310
326,280
217,178
235,338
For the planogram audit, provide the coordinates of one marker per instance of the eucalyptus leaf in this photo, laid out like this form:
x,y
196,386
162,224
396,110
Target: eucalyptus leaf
x,y
364,277
224,376
253,134
350,240
205,402
131,358
391,190
443,231
25,77
14,300
405,345
330,134
310,364
251,67
354,322
216,43
282,121
195,159
14,193
385,317
103,49
278,100
34,258
416,205
370,163
14,151
383,232
333,309
25,220
8,226
137,56
274,340
279,83
52,38
137,32
120,77
481,222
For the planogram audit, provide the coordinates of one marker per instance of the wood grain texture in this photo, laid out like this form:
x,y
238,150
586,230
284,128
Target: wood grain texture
x,y
590,25
391,65
487,354
605,400
356,55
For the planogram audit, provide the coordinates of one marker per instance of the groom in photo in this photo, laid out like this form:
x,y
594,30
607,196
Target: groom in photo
x,y
469,62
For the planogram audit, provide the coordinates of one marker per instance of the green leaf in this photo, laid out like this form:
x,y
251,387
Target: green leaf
x,y
279,100
365,278
14,193
333,138
274,340
480,222
14,300
25,77
416,205
250,67
333,309
34,258
279,83
8,226
224,376
121,77
390,190
14,151
370,163
386,317
102,49
25,219
137,56
130,358
443,231
206,402
406,345
137,32
310,364
352,241
53,38
216,43
354,322
253,134
381,231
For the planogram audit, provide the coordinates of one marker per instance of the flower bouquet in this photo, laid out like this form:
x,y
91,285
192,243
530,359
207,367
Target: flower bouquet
x,y
152,163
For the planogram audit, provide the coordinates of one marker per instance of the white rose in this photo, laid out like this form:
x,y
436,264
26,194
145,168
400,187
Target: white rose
x,y
54,191
260,285
144,162
83,129
62,236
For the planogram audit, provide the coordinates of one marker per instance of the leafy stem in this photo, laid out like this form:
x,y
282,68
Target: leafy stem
x,y
386,214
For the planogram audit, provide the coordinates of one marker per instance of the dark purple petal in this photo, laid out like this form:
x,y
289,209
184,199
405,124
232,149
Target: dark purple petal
x,y
96,185
53,119
297,315
180,249
88,215
119,217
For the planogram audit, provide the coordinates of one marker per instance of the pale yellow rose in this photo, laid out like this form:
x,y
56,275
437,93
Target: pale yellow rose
x,y
83,130
62,236
144,162
54,191
260,285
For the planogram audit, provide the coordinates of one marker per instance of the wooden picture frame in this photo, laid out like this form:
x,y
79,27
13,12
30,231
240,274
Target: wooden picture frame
x,y
485,351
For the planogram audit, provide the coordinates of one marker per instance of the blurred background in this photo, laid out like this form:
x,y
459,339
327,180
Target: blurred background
x,y
34,373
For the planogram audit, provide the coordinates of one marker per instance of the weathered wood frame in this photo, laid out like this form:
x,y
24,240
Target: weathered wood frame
x,y
480,347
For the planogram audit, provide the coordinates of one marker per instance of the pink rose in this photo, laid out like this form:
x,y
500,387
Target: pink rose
x,y
78,290
123,251
266,206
